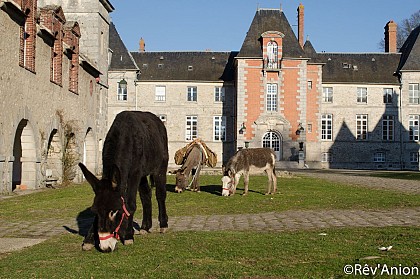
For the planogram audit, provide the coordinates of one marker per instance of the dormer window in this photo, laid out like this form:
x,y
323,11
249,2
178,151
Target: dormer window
x,y
122,90
272,55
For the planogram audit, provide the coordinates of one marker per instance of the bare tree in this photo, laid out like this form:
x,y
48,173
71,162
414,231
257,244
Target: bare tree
x,y
404,29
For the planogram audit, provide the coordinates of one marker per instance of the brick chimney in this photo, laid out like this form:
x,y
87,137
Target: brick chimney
x,y
301,13
391,37
142,45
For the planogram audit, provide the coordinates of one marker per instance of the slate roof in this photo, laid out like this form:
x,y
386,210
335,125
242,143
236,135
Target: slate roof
x,y
410,57
185,66
121,58
358,67
270,20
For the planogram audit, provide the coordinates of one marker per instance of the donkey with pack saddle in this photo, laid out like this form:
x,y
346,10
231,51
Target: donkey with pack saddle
x,y
192,158
246,161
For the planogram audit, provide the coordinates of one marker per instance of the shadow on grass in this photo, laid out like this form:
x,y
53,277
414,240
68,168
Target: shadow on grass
x,y
84,222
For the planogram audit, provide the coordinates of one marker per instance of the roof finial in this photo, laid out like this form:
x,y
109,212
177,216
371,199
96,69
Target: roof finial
x,y
281,7
258,7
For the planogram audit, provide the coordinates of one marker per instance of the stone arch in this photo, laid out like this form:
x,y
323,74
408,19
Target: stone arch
x,y
24,153
89,158
70,158
54,156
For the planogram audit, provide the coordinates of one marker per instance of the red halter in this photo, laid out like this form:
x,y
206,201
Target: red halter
x,y
125,215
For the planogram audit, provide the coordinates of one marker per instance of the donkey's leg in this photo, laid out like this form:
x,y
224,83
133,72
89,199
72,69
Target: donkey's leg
x,y
160,184
89,241
270,180
246,182
196,182
146,200
273,173
236,182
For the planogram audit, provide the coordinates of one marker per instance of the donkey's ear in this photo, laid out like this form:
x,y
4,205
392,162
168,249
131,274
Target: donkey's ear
x,y
90,177
116,177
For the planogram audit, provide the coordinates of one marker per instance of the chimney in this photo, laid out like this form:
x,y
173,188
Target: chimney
x,y
301,13
142,45
391,37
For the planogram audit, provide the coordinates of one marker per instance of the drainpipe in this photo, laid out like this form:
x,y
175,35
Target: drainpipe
x,y
401,125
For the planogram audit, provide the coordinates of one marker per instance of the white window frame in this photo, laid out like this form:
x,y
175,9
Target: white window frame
x,y
272,55
388,127
327,94
326,127
191,130
219,128
361,126
413,94
219,94
160,93
271,97
192,93
326,157
388,92
379,157
414,127
122,94
414,157
362,97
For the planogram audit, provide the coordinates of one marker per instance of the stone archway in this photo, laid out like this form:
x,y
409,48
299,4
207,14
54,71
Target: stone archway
x,y
24,153
89,158
54,156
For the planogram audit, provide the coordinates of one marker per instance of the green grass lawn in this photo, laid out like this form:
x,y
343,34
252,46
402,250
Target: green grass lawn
x,y
224,254
293,194
305,254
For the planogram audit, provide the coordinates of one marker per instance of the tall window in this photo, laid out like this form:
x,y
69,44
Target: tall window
x,y
413,94
271,97
388,127
28,36
326,157
191,127
326,127
160,93
219,128
327,94
272,55
122,91
388,95
219,94
361,126
413,127
362,95
192,94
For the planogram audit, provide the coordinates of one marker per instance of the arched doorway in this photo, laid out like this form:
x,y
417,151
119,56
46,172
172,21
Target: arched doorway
x,y
89,157
272,140
24,153
54,156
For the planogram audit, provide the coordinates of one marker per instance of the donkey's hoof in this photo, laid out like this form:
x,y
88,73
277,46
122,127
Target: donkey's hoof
x,y
129,242
87,246
163,230
143,232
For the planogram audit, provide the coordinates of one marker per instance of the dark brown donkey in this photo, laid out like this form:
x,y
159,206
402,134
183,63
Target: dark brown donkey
x,y
135,147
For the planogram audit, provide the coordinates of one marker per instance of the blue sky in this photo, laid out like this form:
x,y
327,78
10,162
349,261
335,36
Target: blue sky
x,y
221,25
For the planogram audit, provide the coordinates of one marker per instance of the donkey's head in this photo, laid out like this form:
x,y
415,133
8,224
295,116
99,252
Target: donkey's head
x,y
109,207
181,180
